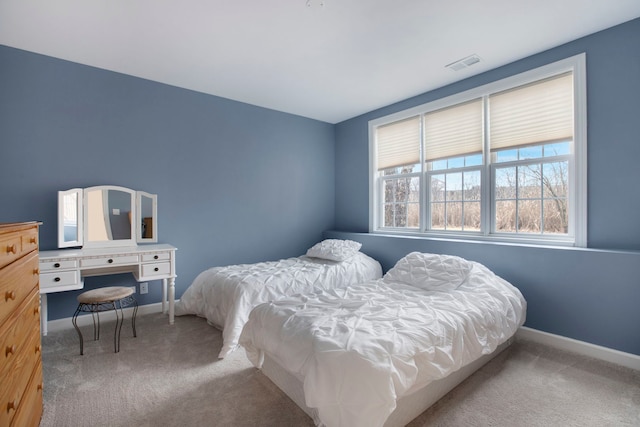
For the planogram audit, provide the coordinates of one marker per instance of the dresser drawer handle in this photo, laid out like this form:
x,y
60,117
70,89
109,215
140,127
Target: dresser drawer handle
x,y
36,271
156,269
57,279
38,348
13,249
10,350
156,257
110,261
9,295
56,265
11,405
36,310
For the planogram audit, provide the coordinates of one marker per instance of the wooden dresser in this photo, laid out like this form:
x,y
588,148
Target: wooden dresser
x,y
21,366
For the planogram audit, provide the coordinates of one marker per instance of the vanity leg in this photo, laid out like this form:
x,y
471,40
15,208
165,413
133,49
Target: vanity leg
x,y
44,315
164,295
172,296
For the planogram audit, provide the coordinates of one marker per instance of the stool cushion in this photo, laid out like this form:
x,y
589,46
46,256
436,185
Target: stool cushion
x,y
108,294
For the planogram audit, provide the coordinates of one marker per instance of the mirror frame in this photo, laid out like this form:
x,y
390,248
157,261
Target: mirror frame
x,y
154,217
82,218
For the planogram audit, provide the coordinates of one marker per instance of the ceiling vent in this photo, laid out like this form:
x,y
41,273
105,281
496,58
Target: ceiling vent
x,y
463,63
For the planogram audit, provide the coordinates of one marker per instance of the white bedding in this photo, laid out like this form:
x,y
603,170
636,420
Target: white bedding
x,y
357,349
226,295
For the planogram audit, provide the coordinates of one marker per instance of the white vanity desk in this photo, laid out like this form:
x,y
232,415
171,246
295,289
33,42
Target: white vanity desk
x,y
113,227
65,269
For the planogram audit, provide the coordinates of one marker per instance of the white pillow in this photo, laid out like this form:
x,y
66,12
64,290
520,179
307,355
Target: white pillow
x,y
431,272
334,249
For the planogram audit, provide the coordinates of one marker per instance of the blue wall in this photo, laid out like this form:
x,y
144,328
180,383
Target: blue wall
x,y
235,183
589,295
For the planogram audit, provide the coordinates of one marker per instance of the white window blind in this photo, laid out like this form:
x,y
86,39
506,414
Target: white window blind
x,y
453,131
399,143
532,114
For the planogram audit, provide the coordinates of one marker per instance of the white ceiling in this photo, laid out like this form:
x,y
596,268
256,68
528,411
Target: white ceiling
x,y
328,62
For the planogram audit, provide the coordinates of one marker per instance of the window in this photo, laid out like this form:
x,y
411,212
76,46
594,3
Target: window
x,y
505,161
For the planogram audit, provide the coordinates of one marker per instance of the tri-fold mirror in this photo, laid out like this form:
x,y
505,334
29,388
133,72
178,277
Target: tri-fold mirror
x,y
106,216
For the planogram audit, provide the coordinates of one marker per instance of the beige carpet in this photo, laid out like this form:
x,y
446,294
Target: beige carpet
x,y
170,376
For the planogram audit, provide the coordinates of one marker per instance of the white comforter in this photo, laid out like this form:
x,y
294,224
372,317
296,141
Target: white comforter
x,y
226,295
358,349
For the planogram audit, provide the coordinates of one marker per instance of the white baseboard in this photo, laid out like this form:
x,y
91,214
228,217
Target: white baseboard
x,y
85,319
621,358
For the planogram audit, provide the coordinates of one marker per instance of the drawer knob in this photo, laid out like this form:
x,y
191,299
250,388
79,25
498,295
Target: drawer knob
x,y
36,271
56,265
12,249
9,295
36,310
33,240
156,257
11,405
10,350
110,261
57,279
38,348
156,269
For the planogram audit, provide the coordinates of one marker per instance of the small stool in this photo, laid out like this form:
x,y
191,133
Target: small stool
x,y
103,299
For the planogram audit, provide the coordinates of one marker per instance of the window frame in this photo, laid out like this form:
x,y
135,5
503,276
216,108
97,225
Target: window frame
x,y
577,165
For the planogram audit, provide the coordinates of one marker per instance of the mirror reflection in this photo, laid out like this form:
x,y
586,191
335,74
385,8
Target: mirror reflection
x,y
108,215
147,210
70,213
70,217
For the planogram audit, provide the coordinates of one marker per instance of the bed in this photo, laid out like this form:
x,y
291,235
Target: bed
x,y
381,352
226,295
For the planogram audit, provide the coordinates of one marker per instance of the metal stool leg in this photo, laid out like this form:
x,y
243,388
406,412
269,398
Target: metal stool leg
x,y
133,317
96,327
119,321
74,320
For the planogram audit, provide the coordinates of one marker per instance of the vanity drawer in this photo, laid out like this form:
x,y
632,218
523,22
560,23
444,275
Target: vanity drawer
x,y
46,265
155,269
67,280
16,282
164,256
107,261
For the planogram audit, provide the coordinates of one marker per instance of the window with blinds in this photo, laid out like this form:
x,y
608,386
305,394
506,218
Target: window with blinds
x,y
399,143
535,113
500,161
453,131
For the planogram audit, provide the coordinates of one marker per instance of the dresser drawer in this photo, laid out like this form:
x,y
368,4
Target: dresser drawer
x,y
16,282
46,265
21,352
10,248
29,240
155,269
20,336
164,256
13,245
57,281
108,261
30,409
